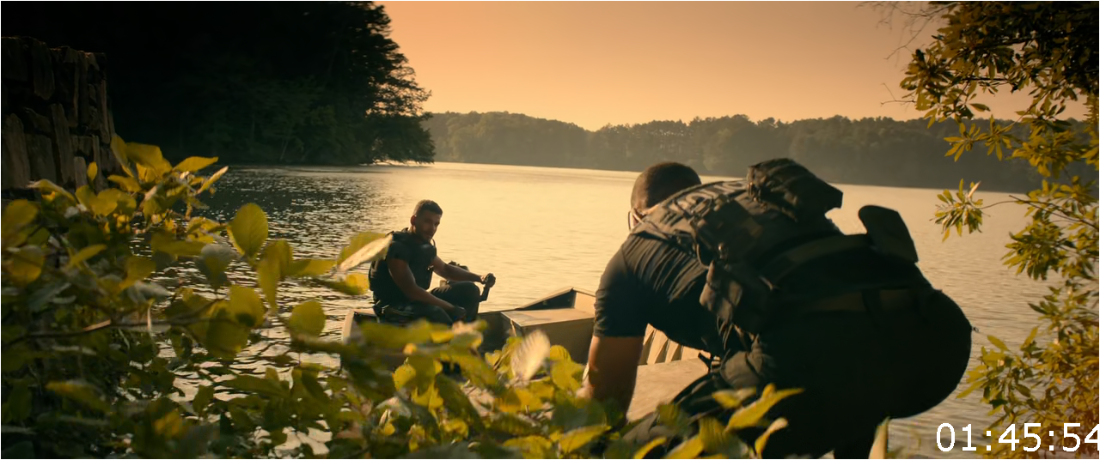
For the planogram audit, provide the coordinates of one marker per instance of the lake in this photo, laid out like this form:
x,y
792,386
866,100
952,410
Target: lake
x,y
541,229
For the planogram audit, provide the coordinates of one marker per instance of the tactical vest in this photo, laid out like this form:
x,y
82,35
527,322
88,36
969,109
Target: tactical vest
x,y
421,255
753,233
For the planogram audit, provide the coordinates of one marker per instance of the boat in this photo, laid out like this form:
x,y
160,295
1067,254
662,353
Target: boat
x,y
565,315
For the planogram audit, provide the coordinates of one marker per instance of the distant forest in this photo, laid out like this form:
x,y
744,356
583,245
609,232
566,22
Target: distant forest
x,y
874,151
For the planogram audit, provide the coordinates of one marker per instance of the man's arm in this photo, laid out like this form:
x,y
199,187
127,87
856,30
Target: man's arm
x,y
618,336
456,273
403,277
613,369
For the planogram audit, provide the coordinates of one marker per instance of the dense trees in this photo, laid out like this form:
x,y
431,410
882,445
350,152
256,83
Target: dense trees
x,y
877,151
1047,383
291,82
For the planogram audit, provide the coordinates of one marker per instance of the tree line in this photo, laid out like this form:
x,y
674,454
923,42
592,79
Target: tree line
x,y
292,82
875,151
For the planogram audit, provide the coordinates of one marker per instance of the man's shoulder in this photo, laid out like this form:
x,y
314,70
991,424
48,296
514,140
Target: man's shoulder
x,y
648,247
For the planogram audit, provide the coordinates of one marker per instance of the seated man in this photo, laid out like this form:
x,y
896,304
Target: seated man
x,y
401,281
753,272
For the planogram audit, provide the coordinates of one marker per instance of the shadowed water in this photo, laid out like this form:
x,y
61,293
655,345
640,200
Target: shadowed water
x,y
540,229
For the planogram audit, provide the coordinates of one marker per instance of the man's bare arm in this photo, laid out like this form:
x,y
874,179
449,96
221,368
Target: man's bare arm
x,y
456,273
453,272
613,369
403,277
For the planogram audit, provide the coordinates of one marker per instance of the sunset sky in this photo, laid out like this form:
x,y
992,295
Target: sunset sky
x,y
595,63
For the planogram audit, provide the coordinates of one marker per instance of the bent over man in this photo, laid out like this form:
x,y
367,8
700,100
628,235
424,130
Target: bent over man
x,y
754,273
401,281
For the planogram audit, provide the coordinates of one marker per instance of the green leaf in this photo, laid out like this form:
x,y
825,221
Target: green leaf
x,y
222,334
428,398
86,197
148,156
762,440
752,414
103,204
310,267
687,449
193,164
456,401
580,437
397,337
714,437
137,269
93,171
250,384
85,254
279,252
364,247
17,215
213,178
24,265
403,375
44,185
81,392
475,369
531,446
167,243
353,284
565,375
245,306
997,343
307,318
215,258
128,184
249,229
641,453
558,353
267,275
42,296
732,399
512,424
202,399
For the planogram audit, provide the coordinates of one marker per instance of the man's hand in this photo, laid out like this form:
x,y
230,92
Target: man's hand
x,y
456,313
488,280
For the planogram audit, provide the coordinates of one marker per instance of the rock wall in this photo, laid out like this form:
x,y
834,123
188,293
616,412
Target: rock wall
x,y
56,115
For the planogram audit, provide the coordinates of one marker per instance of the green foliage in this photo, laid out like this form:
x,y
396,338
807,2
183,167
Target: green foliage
x,y
878,151
286,83
102,359
1049,50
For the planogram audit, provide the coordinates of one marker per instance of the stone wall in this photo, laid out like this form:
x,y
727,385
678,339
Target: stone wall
x,y
56,115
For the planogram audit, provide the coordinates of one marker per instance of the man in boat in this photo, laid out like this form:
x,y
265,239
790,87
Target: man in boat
x,y
754,273
401,281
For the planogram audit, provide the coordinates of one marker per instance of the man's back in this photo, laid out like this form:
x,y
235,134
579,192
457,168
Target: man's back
x,y
648,282
813,308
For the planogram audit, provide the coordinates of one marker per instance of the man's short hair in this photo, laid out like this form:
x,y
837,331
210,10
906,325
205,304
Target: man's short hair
x,y
427,205
661,181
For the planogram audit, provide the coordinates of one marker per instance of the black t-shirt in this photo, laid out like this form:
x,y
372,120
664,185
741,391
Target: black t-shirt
x,y
419,258
649,282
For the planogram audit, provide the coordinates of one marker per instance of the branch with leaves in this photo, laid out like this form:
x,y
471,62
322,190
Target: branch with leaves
x,y
1050,51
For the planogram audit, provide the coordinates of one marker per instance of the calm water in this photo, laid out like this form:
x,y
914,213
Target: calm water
x,y
541,229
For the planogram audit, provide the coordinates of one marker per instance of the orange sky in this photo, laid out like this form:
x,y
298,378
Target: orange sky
x,y
596,63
